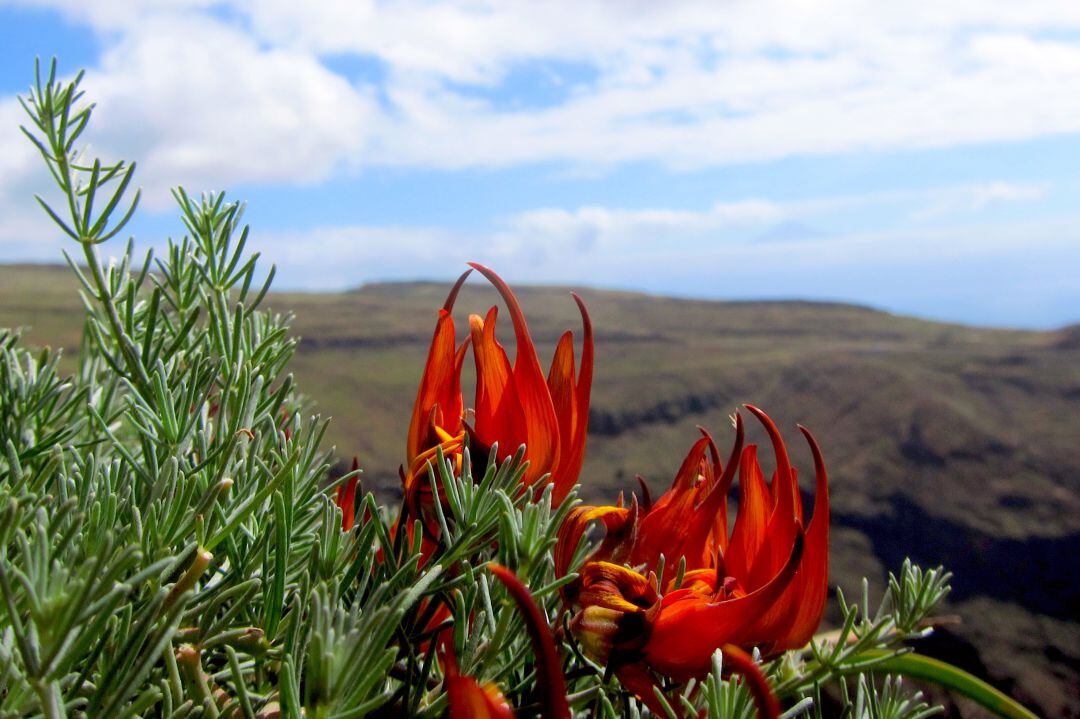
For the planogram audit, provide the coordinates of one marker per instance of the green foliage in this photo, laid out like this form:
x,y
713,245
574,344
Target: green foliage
x,y
168,542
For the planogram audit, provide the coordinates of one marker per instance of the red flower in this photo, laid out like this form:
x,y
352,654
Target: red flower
x,y
763,586
470,700
345,498
514,404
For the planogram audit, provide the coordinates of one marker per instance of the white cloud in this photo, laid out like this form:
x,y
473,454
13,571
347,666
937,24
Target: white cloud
x,y
971,199
614,230
220,91
996,193
203,105
345,256
617,246
694,84
199,103
934,271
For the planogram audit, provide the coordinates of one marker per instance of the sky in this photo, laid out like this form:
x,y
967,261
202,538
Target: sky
x,y
921,157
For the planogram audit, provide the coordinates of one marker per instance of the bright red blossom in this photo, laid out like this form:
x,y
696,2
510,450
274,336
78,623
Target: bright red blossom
x,y
514,405
345,498
763,585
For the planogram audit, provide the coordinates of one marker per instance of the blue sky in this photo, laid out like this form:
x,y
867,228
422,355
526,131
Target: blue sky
x,y
922,161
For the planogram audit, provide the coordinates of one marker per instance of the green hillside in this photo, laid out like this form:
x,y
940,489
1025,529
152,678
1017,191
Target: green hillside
x,y
953,444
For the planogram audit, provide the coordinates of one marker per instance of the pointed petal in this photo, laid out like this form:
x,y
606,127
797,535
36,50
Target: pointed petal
x,y
783,463
577,523
549,676
469,700
768,706
562,385
748,536
540,424
646,495
672,526
811,586
781,528
572,446
498,416
687,630
715,503
440,387
346,498
451,298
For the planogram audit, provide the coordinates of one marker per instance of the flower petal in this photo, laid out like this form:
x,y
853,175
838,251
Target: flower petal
x,y
570,397
439,390
784,518
346,498
810,589
687,630
549,674
748,536
469,700
672,527
539,422
715,503
498,414
574,527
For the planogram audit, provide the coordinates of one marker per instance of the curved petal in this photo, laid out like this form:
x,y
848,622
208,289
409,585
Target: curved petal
x,y
687,630
440,384
784,518
548,667
809,591
715,503
768,706
498,414
574,527
539,422
748,536
562,383
469,700
614,586
439,391
672,526
571,401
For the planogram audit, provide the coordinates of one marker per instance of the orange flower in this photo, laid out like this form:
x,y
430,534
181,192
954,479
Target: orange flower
x,y
470,700
514,404
763,586
345,498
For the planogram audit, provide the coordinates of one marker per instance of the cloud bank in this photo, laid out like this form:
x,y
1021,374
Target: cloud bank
x,y
244,91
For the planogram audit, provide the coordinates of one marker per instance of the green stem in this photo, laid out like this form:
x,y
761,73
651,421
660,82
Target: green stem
x,y
946,675
190,662
52,705
127,348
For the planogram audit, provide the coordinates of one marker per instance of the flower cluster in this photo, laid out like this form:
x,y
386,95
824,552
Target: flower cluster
x,y
515,405
763,585
759,585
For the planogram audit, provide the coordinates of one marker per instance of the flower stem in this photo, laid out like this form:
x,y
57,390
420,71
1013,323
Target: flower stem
x,y
52,704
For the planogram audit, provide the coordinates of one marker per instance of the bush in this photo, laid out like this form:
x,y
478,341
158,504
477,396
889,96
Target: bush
x,y
171,545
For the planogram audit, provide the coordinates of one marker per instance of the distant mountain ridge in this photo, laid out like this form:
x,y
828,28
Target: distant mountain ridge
x,y
956,444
